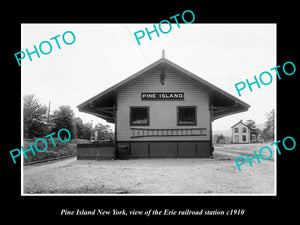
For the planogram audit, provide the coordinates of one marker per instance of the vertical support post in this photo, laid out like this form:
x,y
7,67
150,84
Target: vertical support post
x,y
211,109
210,133
115,120
91,132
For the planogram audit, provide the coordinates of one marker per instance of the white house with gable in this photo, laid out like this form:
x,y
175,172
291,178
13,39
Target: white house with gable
x,y
240,133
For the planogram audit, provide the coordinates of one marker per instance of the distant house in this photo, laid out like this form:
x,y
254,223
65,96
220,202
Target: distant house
x,y
240,133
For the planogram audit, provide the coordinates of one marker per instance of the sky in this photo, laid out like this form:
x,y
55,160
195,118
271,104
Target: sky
x,y
104,54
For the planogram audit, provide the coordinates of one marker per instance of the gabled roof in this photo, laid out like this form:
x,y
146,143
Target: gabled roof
x,y
240,122
223,102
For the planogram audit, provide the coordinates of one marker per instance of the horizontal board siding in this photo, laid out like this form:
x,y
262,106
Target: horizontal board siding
x,y
163,113
96,152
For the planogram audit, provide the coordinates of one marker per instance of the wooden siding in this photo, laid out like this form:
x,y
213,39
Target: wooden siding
x,y
178,149
95,151
240,134
163,113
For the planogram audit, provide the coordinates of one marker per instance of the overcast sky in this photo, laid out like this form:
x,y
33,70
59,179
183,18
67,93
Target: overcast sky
x,y
105,54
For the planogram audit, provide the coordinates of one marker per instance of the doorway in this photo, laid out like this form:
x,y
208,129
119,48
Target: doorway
x,y
236,138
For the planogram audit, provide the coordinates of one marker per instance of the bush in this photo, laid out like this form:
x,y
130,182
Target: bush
x,y
61,149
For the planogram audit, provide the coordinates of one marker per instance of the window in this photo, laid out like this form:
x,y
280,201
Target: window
x,y
186,115
139,116
244,130
236,130
244,137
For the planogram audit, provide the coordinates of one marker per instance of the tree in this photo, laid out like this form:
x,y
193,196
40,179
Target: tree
x,y
268,131
86,131
220,139
63,118
254,131
79,126
104,131
35,124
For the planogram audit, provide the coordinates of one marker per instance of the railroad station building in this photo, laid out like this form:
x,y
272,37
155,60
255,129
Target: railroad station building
x,y
162,110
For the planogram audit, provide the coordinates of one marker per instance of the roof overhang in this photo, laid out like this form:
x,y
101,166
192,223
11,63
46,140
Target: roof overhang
x,y
221,103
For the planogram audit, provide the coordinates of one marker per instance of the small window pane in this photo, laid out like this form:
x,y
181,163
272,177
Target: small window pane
x,y
139,116
186,115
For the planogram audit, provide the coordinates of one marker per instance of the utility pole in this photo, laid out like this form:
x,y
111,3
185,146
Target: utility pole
x,y
48,120
49,117
91,132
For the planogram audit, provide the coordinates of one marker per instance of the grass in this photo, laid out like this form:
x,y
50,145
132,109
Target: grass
x,y
61,149
246,149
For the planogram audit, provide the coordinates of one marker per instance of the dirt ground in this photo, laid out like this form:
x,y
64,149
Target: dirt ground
x,y
154,176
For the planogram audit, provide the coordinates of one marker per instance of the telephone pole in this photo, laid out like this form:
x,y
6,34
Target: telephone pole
x,y
49,117
48,120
